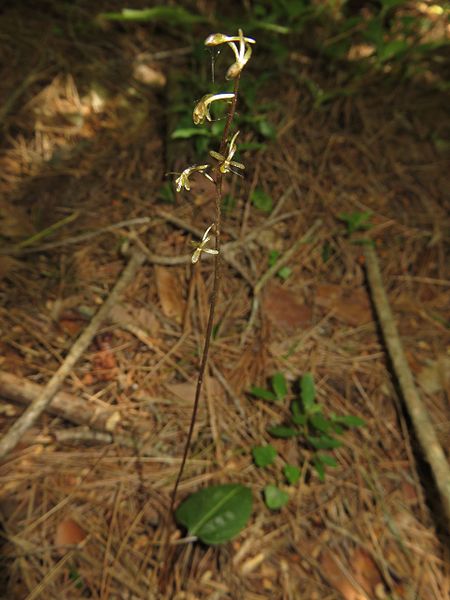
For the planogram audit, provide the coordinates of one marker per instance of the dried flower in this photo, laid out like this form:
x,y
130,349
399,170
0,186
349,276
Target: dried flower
x,y
201,110
183,180
226,162
200,247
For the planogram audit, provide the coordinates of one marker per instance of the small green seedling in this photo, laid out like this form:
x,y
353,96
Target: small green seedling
x,y
274,497
277,393
356,221
284,272
292,474
308,423
264,455
327,252
261,200
75,576
166,194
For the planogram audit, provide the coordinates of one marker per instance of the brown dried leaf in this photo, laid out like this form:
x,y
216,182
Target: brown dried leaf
x,y
68,533
147,320
186,393
350,305
14,221
149,75
333,573
366,572
104,362
127,314
170,293
71,322
283,308
436,376
8,264
360,581
186,390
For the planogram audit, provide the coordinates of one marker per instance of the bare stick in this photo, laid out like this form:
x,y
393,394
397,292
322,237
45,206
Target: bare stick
x,y
82,237
32,413
77,410
420,419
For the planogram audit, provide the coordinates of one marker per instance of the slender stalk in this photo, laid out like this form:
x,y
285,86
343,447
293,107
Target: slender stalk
x,y
214,294
212,308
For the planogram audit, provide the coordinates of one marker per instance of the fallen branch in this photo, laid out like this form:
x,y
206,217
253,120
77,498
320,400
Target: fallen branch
x,y
95,414
76,239
32,413
416,409
84,434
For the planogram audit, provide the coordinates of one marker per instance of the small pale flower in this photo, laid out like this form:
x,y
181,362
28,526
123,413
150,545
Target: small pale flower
x,y
242,56
226,162
201,110
200,247
216,39
182,181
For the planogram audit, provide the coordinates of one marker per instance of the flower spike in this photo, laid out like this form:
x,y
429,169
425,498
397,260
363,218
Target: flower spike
x,y
226,162
183,180
201,110
200,247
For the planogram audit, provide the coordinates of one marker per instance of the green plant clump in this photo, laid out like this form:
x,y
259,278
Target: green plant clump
x,y
308,422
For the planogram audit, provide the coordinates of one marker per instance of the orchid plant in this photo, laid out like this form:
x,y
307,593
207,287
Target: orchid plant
x,y
241,48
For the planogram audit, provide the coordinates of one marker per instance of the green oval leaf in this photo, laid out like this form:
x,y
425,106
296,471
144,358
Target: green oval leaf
x,y
349,421
308,391
274,497
327,459
281,431
321,423
285,273
264,455
279,386
299,419
320,468
184,133
292,473
338,429
262,393
217,513
392,49
171,14
324,442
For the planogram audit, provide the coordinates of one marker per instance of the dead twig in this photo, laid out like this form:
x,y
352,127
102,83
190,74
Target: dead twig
x,y
73,408
416,409
82,237
32,413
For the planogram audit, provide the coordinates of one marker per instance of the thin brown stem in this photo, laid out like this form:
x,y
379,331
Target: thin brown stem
x,y
209,326
214,294
230,117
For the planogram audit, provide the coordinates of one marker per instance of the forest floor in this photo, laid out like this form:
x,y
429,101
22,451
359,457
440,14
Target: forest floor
x,y
83,157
